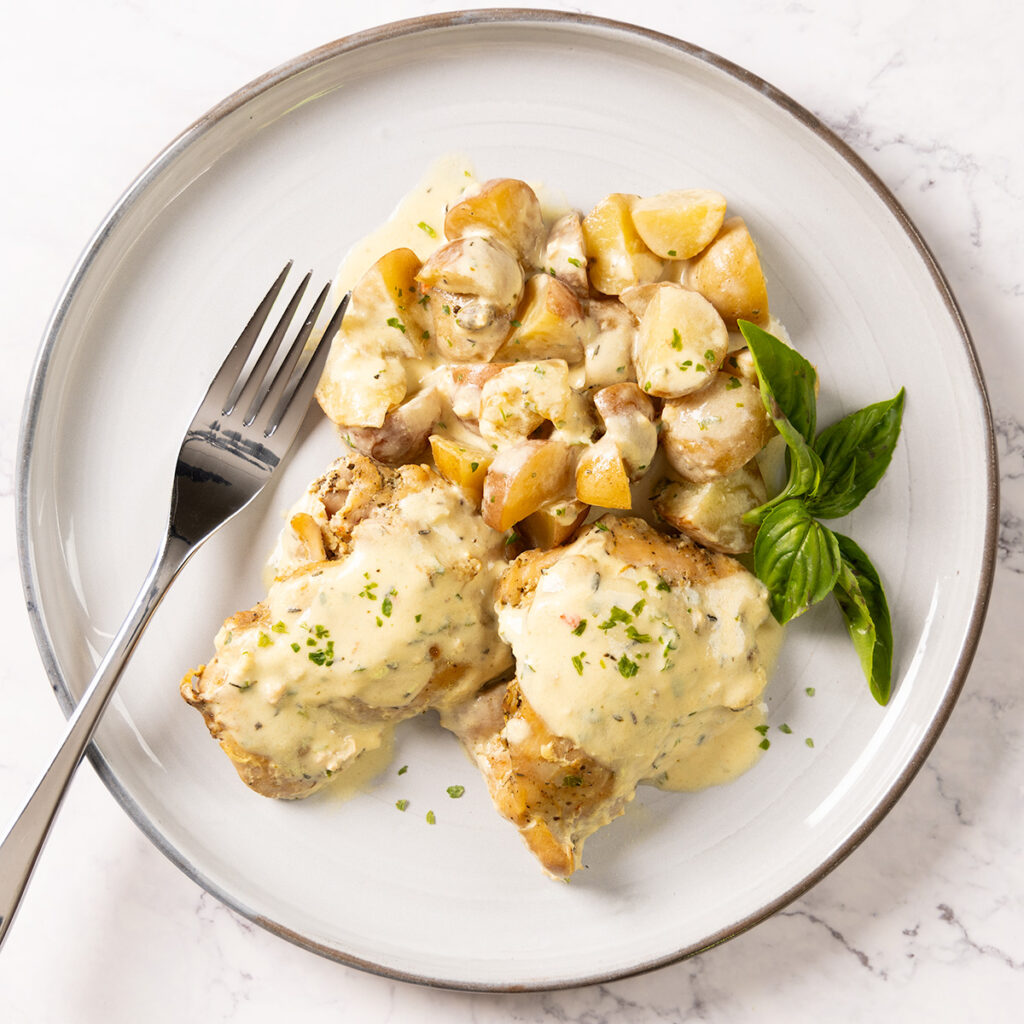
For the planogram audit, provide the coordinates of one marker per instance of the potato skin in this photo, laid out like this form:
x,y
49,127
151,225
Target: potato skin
x,y
712,432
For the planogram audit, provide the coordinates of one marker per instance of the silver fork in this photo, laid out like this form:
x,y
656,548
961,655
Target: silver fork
x,y
240,433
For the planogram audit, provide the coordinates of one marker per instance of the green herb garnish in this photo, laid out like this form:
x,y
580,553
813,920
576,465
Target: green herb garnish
x,y
456,791
799,559
425,227
578,631
431,820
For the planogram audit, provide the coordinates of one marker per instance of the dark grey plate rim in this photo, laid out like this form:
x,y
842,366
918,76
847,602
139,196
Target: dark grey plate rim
x,y
454,20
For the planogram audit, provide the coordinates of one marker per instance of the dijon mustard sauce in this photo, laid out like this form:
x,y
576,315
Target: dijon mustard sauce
x,y
658,681
348,644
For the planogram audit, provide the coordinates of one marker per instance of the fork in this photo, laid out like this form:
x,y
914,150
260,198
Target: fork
x,y
240,433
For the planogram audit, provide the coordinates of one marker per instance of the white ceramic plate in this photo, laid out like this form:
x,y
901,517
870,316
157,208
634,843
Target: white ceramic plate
x,y
302,163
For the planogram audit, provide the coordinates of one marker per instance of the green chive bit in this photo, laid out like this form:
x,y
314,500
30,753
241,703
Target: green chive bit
x,y
401,804
403,769
785,728
765,743
456,791
809,741
809,691
431,820
279,627
427,229
577,660
578,631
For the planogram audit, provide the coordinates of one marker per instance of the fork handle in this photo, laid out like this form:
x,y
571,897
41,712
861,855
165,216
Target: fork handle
x,y
24,841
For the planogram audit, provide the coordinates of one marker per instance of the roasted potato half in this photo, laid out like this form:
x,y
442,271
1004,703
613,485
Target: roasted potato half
x,y
680,343
712,432
618,257
711,512
677,225
506,209
460,463
550,323
523,478
728,274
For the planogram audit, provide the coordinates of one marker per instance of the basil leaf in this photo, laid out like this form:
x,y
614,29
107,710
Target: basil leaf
x,y
796,558
861,597
855,453
787,381
804,473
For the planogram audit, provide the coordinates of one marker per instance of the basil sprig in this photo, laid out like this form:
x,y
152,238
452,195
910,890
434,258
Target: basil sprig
x,y
798,559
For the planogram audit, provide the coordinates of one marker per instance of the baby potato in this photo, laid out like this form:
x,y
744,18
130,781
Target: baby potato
x,y
553,524
402,435
711,512
680,343
522,478
677,225
609,349
505,208
461,464
385,305
551,323
637,298
712,432
618,256
728,274
565,254
361,383
602,477
516,401
740,363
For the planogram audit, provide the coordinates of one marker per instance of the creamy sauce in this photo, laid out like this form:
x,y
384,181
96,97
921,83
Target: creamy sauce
x,y
629,686
356,638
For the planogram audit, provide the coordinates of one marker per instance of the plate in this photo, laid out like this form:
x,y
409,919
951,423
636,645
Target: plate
x,y
302,163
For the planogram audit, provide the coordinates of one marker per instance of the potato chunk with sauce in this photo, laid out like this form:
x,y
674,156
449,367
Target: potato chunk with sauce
x,y
711,513
506,209
680,343
523,478
550,322
515,402
712,432
617,254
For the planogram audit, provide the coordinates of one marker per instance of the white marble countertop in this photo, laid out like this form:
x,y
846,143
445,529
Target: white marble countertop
x,y
925,921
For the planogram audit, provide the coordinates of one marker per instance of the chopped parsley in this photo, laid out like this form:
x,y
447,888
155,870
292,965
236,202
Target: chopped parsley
x,y
617,614
393,321
279,627
577,661
627,668
765,743
578,631
732,383
401,804
456,791
263,640
403,769
575,262
809,741
431,820
785,728
677,339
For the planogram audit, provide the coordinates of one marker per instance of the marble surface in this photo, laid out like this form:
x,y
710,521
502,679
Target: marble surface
x,y
925,921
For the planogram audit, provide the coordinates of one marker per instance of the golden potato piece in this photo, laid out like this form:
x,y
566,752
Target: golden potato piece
x,y
516,401
677,225
550,321
461,464
680,343
711,513
553,524
505,208
385,305
523,478
618,256
728,274
361,383
602,477
712,432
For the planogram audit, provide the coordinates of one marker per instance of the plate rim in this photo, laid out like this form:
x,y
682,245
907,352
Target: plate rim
x,y
498,17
